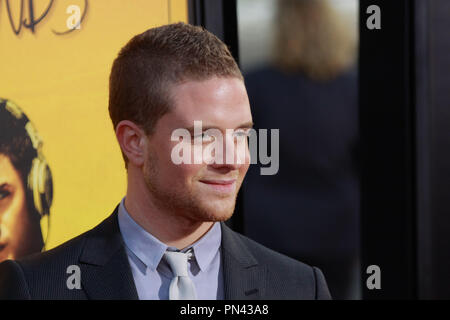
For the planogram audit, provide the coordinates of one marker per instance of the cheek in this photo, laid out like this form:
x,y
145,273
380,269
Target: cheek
x,y
244,168
189,172
176,175
15,219
182,171
183,175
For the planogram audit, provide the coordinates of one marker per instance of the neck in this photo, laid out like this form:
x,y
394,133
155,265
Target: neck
x,y
171,229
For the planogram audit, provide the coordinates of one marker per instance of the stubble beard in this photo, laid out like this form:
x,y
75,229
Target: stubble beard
x,y
181,203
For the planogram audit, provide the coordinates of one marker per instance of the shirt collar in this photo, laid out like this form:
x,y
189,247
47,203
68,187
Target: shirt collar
x,y
206,248
150,250
144,246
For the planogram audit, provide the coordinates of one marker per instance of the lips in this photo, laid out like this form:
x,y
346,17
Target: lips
x,y
223,186
220,182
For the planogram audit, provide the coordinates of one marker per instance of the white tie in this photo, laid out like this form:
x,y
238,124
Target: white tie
x,y
181,287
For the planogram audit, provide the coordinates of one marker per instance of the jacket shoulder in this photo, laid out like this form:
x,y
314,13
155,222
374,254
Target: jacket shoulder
x,y
43,275
287,277
12,282
66,253
269,256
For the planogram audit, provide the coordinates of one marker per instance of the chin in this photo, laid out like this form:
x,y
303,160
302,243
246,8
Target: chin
x,y
216,212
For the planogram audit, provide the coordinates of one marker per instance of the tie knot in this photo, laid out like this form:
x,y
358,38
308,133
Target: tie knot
x,y
178,262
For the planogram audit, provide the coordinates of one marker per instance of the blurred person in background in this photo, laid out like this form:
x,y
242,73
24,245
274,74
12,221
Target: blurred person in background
x,y
309,209
25,185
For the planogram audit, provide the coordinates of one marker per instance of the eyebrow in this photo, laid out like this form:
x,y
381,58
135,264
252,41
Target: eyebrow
x,y
245,125
249,124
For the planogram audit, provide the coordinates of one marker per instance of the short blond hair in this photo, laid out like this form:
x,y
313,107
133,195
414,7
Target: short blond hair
x,y
313,38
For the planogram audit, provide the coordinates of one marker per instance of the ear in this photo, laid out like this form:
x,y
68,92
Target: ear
x,y
132,141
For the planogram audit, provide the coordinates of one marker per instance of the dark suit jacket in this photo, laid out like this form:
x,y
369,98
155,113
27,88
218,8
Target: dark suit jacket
x,y
250,270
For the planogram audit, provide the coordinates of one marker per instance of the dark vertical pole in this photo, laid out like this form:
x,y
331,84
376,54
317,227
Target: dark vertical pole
x,y
433,118
195,12
231,36
440,152
387,126
220,18
422,60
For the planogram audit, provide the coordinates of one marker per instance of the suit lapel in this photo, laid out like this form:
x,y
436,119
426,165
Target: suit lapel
x,y
244,278
105,271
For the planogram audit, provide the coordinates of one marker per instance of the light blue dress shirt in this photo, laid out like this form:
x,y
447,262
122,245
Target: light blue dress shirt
x,y
152,274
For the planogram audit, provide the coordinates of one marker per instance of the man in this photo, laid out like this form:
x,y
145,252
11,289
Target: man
x,y
167,239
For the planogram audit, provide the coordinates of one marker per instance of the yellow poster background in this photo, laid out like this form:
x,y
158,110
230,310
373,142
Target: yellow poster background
x,y
61,83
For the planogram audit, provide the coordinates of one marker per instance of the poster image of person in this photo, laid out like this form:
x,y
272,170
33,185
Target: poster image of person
x,y
26,186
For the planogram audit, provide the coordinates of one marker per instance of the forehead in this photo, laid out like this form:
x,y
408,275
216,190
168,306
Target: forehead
x,y
8,174
220,102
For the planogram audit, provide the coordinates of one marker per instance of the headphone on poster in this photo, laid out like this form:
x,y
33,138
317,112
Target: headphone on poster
x,y
39,178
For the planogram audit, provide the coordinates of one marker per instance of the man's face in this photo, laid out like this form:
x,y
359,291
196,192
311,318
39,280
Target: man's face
x,y
200,192
19,235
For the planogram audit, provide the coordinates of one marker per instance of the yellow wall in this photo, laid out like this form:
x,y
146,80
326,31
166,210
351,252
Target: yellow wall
x,y
61,83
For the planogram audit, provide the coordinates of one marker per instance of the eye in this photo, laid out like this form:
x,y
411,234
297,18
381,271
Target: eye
x,y
4,193
241,133
205,136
